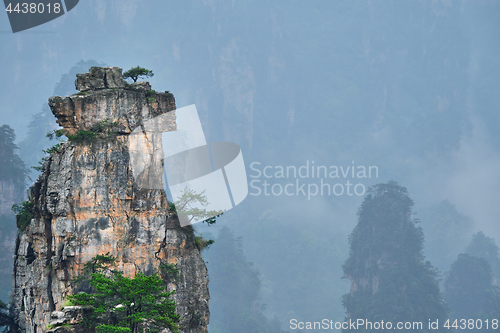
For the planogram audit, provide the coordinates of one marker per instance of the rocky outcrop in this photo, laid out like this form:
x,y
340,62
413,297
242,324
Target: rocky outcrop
x,y
87,202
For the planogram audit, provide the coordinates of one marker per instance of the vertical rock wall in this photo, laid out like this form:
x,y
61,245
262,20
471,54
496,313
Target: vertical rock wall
x,y
87,203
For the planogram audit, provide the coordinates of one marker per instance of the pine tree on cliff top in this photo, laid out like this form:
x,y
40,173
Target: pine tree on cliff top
x,y
389,279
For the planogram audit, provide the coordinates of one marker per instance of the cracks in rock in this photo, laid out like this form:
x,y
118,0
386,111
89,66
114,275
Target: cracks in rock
x,y
48,262
164,242
47,219
71,213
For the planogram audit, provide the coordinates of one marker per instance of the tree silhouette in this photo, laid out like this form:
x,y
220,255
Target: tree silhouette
x,y
137,72
389,279
11,166
6,321
485,247
192,205
469,290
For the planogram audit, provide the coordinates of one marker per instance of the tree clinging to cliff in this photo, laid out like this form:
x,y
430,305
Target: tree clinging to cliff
x,y
137,72
125,305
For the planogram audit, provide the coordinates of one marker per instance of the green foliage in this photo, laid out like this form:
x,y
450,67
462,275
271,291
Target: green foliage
x,y
469,289
102,129
386,262
151,99
202,243
137,72
39,166
213,219
81,93
192,204
99,263
24,214
82,136
170,272
44,121
122,304
67,303
54,134
104,126
54,149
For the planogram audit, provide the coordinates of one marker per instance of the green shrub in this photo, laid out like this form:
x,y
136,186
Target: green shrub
x,y
119,304
136,73
169,270
24,213
67,302
202,243
99,129
54,149
83,136
55,133
39,166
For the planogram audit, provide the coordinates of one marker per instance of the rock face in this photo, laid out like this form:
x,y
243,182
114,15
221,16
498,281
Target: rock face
x,y
87,203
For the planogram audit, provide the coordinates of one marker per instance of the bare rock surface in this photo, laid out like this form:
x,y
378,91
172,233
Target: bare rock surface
x,y
100,78
87,203
106,99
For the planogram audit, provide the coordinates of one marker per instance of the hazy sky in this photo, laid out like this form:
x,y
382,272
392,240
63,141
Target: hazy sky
x,y
410,87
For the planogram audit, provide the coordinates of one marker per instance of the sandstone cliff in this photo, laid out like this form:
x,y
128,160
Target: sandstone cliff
x,y
87,202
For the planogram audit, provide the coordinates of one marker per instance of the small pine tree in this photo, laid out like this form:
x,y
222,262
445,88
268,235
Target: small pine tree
x,y
137,72
192,205
124,305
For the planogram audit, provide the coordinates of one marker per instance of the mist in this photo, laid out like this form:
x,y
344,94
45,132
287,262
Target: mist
x,y
409,87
